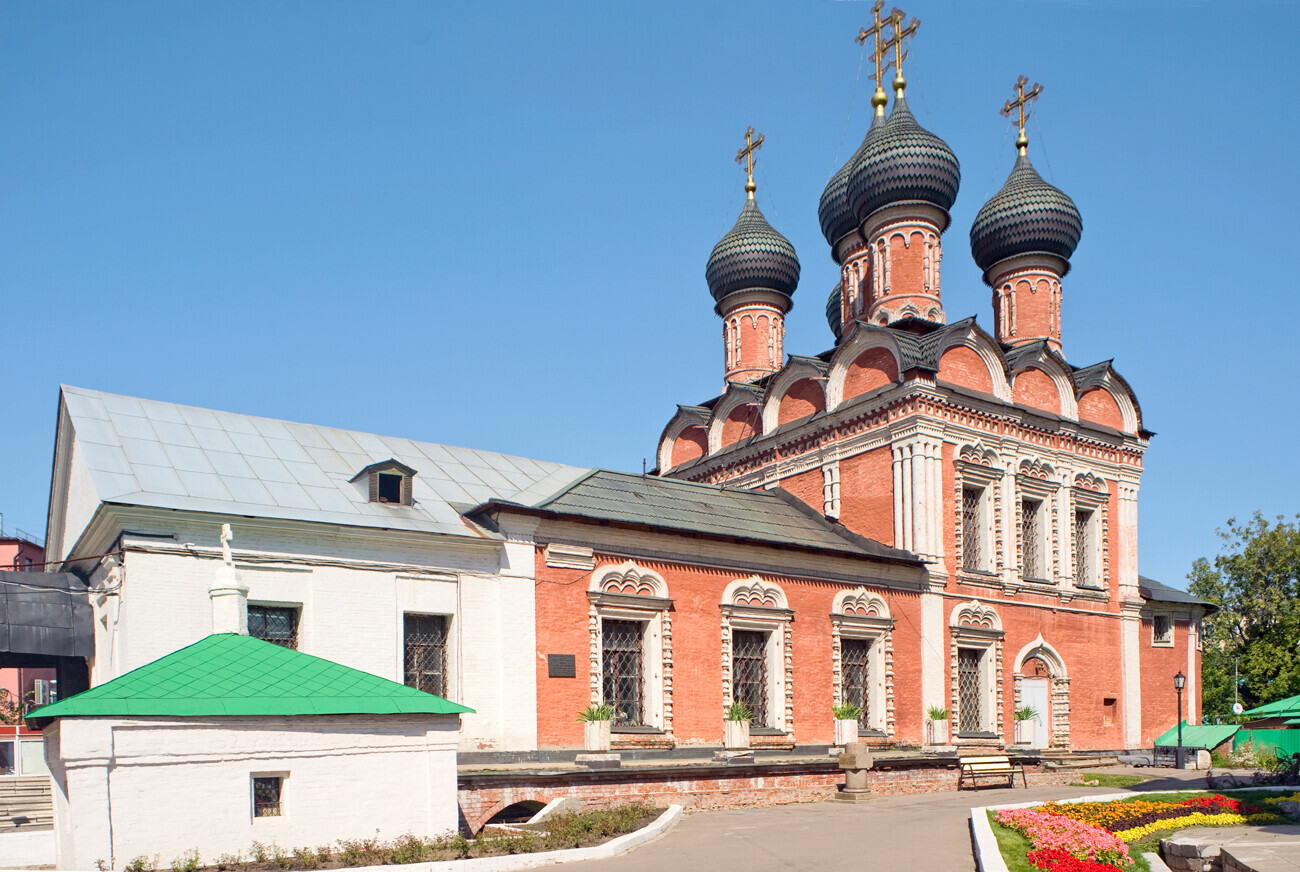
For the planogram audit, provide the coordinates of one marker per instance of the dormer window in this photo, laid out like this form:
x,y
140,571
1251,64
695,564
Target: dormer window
x,y
388,482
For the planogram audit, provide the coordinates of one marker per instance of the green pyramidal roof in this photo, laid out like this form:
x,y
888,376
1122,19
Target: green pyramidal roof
x,y
232,674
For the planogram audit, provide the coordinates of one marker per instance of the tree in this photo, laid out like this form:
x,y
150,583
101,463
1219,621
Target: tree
x,y
1255,582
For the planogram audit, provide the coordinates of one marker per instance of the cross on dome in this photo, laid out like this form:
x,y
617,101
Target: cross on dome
x,y
879,55
746,157
1021,106
895,42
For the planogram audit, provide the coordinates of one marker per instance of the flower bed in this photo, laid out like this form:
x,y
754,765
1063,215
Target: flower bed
x,y
1098,836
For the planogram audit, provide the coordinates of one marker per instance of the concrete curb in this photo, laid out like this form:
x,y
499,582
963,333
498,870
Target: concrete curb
x,y
612,848
985,845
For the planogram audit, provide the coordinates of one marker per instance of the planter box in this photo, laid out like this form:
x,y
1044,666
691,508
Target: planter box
x,y
938,732
735,735
846,730
1024,734
595,736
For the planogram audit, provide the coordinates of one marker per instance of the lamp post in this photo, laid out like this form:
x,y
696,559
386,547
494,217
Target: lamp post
x,y
1179,681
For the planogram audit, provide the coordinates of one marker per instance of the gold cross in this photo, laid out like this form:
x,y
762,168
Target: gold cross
x,y
1021,104
745,157
895,42
879,55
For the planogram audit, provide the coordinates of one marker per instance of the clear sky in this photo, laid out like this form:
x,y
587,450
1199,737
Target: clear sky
x,y
486,224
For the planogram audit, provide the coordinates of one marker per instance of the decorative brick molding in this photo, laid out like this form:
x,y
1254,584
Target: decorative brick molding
x,y
755,604
861,614
1059,685
976,625
630,592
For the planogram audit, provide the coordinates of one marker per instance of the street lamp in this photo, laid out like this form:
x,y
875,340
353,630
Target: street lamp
x,y
1179,681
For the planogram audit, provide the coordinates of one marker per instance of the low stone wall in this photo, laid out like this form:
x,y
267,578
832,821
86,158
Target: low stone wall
x,y
706,785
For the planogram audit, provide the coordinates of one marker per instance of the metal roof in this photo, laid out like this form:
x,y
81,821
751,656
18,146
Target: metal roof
x,y
1207,736
772,517
45,614
230,674
148,453
1152,590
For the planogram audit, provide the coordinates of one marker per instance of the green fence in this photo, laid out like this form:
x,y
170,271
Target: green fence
x,y
1285,741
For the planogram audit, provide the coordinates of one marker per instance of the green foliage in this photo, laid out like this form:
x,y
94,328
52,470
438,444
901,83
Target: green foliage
x,y
143,864
1107,779
1025,713
1255,581
187,862
739,711
846,711
602,712
936,713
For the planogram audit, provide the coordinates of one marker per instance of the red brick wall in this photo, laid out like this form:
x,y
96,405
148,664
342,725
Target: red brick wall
x,y
808,487
1099,406
1035,388
962,366
867,494
1159,666
803,399
874,368
740,424
692,443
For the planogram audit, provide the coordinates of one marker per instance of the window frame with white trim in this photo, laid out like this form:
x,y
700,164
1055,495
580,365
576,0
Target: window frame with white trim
x,y
628,593
861,616
755,605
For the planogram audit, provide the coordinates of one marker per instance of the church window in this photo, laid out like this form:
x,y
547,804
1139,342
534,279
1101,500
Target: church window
x,y
970,693
275,624
622,671
1108,708
976,664
855,677
425,653
861,627
1162,631
972,499
268,796
749,673
1084,572
1031,544
979,511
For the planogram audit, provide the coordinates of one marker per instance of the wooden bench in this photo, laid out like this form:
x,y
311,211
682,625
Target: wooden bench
x,y
993,766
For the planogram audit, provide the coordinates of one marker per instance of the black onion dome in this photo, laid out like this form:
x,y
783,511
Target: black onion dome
x,y
752,257
834,211
905,163
1027,215
835,311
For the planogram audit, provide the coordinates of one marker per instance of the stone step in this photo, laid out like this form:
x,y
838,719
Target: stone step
x,y
1080,762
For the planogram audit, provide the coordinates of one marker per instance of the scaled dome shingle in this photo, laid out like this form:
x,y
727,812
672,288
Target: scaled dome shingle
x,y
904,163
1026,216
835,311
834,210
752,257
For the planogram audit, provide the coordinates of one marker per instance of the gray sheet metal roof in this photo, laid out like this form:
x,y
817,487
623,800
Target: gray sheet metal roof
x,y
46,614
773,517
148,453
1162,593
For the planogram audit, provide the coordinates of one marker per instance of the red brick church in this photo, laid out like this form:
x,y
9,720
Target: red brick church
x,y
927,516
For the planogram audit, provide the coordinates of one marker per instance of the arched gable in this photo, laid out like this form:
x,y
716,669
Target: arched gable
x,y
971,358
797,391
691,444
628,579
875,354
975,615
1041,650
1095,407
754,592
737,416
1099,406
687,417
1034,388
1041,365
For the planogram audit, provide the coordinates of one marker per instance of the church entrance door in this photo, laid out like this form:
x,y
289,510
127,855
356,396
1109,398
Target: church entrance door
x,y
1035,693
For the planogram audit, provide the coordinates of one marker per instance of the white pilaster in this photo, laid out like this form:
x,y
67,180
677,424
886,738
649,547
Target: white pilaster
x,y
1130,639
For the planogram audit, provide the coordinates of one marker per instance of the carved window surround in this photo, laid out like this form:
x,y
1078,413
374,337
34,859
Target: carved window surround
x,y
1035,481
978,626
758,605
977,467
627,592
859,614
1091,494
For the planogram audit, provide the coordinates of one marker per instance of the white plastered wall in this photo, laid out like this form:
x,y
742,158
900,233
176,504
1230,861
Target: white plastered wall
x,y
158,786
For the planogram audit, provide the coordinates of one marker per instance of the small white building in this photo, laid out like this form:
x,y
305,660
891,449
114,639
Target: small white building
x,y
233,740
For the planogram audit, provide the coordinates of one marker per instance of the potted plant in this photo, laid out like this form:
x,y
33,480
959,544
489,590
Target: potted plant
x,y
596,719
736,726
1025,718
936,717
846,722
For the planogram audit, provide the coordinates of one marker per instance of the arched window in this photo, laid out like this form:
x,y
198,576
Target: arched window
x,y
630,631
756,665
976,670
863,656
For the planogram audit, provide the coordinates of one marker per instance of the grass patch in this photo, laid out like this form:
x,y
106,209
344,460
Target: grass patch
x,y
1110,779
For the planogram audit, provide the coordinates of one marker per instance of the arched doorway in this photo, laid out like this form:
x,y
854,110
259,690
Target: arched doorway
x,y
1041,683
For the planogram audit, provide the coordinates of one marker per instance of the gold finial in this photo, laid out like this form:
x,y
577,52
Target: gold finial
x,y
1021,104
895,42
879,55
745,157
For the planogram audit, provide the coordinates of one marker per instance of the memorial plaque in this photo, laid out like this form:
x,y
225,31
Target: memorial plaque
x,y
561,666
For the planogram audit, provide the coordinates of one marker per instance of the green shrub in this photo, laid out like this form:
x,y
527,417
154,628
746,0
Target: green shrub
x,y
597,712
187,862
739,711
846,711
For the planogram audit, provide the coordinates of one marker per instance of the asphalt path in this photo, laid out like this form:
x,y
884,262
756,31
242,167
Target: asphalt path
x,y
924,831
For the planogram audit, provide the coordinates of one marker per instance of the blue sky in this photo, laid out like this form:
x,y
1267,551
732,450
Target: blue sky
x,y
487,224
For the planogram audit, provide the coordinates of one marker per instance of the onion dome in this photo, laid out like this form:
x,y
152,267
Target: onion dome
x,y
834,211
1027,216
835,311
752,257
904,163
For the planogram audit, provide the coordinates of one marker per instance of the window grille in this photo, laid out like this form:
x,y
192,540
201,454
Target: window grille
x,y
266,796
970,712
1030,556
1162,629
275,624
970,528
749,672
621,666
425,647
1082,550
855,676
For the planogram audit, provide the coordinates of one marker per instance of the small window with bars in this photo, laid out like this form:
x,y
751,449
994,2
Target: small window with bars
x,y
1031,546
424,643
622,671
749,673
275,624
1083,569
268,796
972,528
1162,630
970,690
855,676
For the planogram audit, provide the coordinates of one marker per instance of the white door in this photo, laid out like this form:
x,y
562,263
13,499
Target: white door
x,y
1034,693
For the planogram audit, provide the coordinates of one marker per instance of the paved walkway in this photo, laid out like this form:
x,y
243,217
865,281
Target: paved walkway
x,y
926,831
